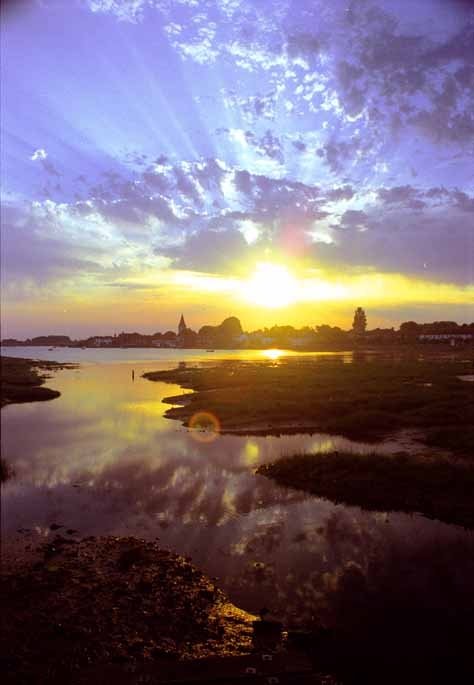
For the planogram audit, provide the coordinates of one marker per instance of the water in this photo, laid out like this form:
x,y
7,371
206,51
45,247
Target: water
x,y
102,459
166,356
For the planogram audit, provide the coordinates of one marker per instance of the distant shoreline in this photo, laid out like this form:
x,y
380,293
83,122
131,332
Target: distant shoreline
x,y
435,347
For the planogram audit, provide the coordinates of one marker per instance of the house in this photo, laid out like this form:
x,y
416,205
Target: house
x,y
100,341
449,338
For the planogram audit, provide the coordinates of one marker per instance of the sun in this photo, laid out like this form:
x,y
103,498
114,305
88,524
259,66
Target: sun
x,y
271,285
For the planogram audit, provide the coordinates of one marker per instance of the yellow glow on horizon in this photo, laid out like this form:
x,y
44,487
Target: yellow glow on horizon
x,y
274,293
274,286
204,282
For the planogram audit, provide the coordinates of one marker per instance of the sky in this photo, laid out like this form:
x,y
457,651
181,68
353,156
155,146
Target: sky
x,y
284,161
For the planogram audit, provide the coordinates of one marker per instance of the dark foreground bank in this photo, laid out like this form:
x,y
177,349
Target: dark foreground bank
x,y
438,488
111,601
22,380
123,610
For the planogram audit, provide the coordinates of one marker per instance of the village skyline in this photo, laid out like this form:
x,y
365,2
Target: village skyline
x,y
230,333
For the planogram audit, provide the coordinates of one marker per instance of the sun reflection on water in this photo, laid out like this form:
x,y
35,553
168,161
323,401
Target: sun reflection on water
x,y
272,354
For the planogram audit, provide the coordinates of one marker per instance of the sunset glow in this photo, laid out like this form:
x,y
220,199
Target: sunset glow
x,y
271,285
140,181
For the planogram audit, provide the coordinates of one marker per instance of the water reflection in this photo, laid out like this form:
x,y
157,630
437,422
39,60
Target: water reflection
x,y
103,459
272,354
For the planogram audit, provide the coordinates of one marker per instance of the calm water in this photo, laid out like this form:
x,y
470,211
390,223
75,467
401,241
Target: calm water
x,y
102,459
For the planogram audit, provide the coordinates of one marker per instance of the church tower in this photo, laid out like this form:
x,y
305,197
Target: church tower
x,y
182,325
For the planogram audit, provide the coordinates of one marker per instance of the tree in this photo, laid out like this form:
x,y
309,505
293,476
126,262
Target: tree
x,y
410,330
231,327
360,321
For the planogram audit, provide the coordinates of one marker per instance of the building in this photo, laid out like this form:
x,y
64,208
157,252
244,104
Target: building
x,y
450,338
182,326
100,341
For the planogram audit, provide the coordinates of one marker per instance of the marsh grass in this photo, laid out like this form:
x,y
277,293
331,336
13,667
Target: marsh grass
x,y
21,380
438,488
365,400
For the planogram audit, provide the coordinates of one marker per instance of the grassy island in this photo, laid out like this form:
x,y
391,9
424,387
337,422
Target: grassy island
x,y
22,380
365,400
438,488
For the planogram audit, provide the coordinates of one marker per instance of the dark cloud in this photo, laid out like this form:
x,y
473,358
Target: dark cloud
x,y
434,245
33,251
397,195
336,153
305,44
271,146
299,145
463,201
207,250
342,193
353,218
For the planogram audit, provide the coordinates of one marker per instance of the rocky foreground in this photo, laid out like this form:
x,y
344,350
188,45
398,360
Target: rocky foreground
x,y
105,601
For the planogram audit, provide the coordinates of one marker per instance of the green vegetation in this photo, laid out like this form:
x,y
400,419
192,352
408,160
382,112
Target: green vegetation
x,y
364,400
438,488
21,381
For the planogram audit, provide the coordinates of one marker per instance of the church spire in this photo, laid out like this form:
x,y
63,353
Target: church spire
x,y
182,325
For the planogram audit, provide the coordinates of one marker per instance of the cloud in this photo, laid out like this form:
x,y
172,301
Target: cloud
x,y
195,214
39,154
208,250
34,252
125,10
351,121
435,244
46,246
353,218
198,216
397,195
363,78
344,193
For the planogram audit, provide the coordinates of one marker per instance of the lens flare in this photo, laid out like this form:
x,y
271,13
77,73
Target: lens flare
x,y
204,426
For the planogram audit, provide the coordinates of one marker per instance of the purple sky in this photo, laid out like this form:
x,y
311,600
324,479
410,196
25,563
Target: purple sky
x,y
151,137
